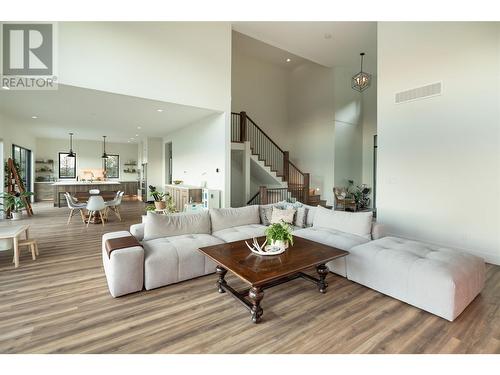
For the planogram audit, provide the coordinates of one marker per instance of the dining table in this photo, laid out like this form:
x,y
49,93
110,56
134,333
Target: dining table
x,y
13,232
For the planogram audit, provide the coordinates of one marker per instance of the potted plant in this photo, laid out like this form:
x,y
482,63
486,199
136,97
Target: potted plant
x,y
279,234
170,205
14,202
158,196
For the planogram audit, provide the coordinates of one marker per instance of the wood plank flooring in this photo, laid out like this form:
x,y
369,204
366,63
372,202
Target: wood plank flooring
x,y
60,304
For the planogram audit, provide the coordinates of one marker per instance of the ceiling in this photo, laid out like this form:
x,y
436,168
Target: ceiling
x,y
325,43
248,46
90,114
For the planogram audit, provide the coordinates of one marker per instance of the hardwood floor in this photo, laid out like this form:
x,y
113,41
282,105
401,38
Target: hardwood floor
x,y
60,304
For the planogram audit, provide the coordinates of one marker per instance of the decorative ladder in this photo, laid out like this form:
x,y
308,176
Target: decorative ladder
x,y
14,180
244,129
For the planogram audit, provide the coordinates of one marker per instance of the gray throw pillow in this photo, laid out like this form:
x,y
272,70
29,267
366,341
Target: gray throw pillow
x,y
301,217
265,213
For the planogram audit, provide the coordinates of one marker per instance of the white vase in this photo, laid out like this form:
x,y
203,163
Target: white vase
x,y
17,215
280,243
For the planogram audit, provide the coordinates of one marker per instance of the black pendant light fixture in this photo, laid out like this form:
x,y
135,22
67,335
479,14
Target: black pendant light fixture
x,y
104,155
71,154
362,80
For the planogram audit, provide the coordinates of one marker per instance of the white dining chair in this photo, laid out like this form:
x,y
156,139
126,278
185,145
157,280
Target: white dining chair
x,y
114,205
94,191
95,204
73,206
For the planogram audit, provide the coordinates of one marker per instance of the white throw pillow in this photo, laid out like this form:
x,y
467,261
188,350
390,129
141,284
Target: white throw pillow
x,y
311,212
279,215
158,226
223,218
358,223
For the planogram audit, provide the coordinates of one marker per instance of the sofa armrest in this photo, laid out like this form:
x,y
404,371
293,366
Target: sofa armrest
x,y
124,268
137,230
378,231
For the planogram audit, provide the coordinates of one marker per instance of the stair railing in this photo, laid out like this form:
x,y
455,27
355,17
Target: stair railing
x,y
244,129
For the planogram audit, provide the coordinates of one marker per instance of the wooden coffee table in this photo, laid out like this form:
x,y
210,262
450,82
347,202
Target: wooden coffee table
x,y
263,272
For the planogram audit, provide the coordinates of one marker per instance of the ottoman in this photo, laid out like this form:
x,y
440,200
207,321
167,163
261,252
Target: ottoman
x,y
440,280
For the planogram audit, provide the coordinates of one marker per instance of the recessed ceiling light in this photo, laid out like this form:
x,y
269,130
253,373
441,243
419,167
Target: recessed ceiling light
x,y
34,117
159,110
5,87
288,59
137,135
139,128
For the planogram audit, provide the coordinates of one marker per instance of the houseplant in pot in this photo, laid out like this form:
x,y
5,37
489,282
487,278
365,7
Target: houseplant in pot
x,y
14,203
280,235
158,196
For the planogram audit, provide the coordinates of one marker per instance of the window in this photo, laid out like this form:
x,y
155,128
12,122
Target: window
x,y
67,166
112,166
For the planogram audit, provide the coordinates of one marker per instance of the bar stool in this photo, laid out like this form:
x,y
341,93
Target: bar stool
x,y
95,204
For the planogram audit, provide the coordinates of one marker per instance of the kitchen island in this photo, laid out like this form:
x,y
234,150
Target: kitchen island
x,y
74,187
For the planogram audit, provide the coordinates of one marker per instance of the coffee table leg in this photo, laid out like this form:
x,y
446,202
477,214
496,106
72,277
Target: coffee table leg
x,y
322,270
256,294
221,272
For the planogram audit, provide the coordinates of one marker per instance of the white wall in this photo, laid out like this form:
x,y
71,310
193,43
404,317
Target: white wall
x,y
10,133
180,62
439,158
88,154
198,150
311,116
260,88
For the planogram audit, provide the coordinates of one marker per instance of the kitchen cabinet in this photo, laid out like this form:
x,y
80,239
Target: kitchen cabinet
x,y
183,194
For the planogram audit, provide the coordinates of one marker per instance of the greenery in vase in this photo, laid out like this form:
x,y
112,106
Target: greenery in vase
x,y
170,208
157,195
14,202
360,194
279,232
150,208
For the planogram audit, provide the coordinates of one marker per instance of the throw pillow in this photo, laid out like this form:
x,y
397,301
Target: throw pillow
x,y
279,215
301,217
157,226
266,212
358,223
311,212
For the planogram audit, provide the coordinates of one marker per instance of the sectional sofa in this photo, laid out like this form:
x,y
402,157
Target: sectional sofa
x,y
406,270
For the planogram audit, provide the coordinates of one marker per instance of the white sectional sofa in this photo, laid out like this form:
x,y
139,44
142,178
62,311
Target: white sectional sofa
x,y
401,269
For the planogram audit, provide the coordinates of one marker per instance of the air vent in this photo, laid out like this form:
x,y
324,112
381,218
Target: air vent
x,y
424,92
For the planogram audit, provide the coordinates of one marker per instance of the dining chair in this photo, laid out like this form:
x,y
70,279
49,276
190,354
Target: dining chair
x,y
114,205
95,204
74,206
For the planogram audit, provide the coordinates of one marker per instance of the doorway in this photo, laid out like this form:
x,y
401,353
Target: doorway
x,y
22,159
168,163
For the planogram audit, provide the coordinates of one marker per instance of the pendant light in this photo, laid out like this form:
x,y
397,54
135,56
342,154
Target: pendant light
x,y
71,154
362,80
104,155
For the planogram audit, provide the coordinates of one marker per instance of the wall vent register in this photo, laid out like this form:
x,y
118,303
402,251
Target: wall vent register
x,y
423,92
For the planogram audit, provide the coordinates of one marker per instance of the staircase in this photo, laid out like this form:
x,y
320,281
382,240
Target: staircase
x,y
266,151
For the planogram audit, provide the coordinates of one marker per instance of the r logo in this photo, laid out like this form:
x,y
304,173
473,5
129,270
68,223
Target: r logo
x,y
27,49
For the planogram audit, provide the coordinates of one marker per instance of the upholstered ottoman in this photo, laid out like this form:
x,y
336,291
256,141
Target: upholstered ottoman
x,y
436,279
124,268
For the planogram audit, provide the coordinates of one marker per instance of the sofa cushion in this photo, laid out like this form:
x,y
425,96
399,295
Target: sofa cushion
x,y
331,237
358,223
172,259
437,279
285,215
157,226
223,218
242,232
